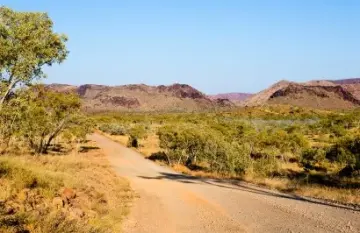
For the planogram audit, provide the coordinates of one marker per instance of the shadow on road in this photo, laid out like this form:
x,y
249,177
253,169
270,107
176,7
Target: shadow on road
x,y
237,185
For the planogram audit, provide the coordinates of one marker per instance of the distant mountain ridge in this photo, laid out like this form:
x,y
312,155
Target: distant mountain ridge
x,y
141,97
346,81
324,94
235,97
352,85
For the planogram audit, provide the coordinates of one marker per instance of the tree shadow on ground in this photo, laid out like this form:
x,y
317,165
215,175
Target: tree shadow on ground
x,y
84,149
320,178
162,157
58,149
158,156
242,186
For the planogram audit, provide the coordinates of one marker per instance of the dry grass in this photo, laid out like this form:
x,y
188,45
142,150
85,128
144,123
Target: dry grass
x,y
122,139
150,145
340,195
33,188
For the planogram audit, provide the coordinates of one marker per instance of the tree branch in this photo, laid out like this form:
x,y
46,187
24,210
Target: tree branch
x,y
55,132
12,83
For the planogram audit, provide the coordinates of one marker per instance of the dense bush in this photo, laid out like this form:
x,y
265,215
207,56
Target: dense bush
x,y
346,151
136,133
113,129
191,145
312,156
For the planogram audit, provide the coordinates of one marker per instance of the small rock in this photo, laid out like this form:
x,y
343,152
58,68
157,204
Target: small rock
x,y
68,194
23,195
58,202
76,213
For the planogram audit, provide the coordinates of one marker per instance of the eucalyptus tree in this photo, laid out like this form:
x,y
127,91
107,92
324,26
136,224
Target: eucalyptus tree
x,y
27,44
45,114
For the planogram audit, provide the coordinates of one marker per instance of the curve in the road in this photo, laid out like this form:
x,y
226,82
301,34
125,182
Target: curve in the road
x,y
172,202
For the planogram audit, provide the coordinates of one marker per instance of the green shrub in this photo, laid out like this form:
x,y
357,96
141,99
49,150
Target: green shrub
x,y
191,144
113,129
311,156
133,142
138,131
346,151
266,166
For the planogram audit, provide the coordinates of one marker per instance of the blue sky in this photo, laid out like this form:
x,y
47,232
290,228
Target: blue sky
x,y
215,46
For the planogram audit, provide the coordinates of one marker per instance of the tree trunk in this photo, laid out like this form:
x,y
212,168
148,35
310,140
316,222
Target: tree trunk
x,y
7,92
168,158
54,134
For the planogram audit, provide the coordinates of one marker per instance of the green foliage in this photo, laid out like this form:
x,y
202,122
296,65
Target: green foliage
x,y
37,116
45,114
33,114
265,167
280,141
251,139
346,151
138,131
310,157
113,129
191,144
27,43
338,124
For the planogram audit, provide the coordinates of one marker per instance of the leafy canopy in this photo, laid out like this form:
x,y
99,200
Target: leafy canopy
x,y
27,43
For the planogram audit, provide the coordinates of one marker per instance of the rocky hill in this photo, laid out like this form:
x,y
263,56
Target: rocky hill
x,y
352,85
236,98
340,94
176,97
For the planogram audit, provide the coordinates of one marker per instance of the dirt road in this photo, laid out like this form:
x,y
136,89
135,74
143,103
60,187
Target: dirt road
x,y
170,202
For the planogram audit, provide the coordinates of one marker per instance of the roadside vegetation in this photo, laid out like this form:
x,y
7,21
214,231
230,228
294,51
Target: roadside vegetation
x,y
72,192
303,151
51,178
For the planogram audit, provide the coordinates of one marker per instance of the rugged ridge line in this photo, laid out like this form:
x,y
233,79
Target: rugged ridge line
x,y
322,94
141,97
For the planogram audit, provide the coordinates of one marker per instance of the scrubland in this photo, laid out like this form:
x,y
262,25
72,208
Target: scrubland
x,y
304,151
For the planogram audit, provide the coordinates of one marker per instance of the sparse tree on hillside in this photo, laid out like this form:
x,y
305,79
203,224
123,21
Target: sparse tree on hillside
x,y
27,44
